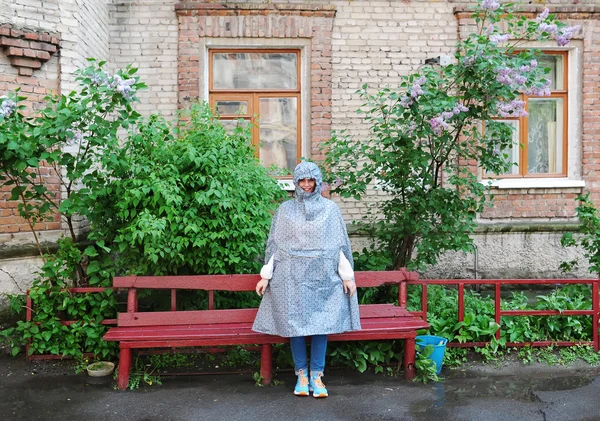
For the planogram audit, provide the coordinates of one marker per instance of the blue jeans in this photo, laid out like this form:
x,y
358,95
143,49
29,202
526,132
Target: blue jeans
x,y
317,353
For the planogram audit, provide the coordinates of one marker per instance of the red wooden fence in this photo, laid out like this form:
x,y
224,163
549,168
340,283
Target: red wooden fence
x,y
412,279
498,312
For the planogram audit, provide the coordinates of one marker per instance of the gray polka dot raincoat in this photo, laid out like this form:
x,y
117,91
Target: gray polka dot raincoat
x,y
305,295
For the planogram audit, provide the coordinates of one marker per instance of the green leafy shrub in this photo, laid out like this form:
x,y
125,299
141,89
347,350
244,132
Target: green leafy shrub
x,y
587,238
53,303
188,201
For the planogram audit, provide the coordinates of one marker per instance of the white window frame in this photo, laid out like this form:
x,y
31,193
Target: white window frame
x,y
574,126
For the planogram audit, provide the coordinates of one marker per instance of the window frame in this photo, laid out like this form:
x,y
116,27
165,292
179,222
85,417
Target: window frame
x,y
254,96
523,124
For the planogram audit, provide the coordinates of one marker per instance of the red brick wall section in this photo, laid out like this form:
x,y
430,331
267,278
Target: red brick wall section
x,y
35,82
532,203
591,106
197,20
27,49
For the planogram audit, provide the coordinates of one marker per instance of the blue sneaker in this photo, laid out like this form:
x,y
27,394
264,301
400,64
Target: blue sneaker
x,y
317,386
301,388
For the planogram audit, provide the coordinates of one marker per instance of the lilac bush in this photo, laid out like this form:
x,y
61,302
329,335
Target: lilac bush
x,y
73,134
424,131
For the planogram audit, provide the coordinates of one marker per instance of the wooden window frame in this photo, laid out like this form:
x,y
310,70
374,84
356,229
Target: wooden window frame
x,y
253,96
524,129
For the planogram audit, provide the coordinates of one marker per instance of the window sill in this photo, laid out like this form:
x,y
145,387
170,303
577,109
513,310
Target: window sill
x,y
534,183
287,185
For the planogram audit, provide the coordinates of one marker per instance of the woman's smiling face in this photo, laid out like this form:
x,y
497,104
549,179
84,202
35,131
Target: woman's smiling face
x,y
307,184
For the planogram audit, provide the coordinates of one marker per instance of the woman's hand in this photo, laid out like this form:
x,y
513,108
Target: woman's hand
x,y
261,286
349,287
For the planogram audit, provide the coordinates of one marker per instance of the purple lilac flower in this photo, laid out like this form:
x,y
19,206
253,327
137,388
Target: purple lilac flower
x,y
438,124
504,76
543,16
525,68
514,108
469,60
496,39
7,107
447,114
562,40
570,30
99,78
533,63
123,86
406,101
460,109
490,5
551,28
416,90
411,128
489,30
520,79
543,90
566,34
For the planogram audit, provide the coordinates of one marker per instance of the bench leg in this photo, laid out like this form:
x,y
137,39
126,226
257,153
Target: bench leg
x,y
124,368
266,362
409,359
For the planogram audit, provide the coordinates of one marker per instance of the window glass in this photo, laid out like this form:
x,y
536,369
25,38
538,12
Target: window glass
x,y
545,139
248,71
231,107
278,132
554,62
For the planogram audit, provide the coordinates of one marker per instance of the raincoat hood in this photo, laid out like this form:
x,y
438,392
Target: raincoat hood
x,y
307,170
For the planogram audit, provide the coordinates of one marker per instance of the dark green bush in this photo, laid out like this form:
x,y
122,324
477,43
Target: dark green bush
x,y
188,201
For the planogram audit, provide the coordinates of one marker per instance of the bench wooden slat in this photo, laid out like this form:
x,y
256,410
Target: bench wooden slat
x,y
241,282
258,339
192,282
162,318
244,330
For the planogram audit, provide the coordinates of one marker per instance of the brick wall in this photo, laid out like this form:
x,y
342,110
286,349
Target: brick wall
x,y
82,28
197,20
35,84
144,33
367,41
591,105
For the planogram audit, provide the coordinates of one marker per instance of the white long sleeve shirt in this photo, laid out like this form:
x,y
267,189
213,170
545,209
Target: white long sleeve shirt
x,y
344,269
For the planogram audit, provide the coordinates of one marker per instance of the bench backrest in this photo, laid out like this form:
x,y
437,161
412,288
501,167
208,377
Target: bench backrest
x,y
245,282
212,283
220,317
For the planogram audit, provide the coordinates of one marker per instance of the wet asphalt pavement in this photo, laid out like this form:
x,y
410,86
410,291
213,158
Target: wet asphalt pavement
x,y
50,391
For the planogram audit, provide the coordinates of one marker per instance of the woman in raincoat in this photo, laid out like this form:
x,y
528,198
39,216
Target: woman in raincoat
x,y
308,279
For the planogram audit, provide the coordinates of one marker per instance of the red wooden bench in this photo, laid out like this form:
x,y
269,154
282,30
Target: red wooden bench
x,y
169,329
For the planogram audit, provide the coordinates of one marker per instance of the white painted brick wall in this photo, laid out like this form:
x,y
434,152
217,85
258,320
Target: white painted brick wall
x,y
145,34
42,14
83,27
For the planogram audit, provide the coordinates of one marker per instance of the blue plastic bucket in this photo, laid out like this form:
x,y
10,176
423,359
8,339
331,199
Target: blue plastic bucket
x,y
439,348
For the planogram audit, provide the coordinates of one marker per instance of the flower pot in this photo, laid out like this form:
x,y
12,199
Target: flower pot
x,y
100,368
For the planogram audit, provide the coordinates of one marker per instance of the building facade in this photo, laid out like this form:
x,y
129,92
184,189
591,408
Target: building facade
x,y
299,64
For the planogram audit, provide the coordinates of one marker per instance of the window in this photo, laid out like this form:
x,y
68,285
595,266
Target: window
x,y
261,87
543,133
